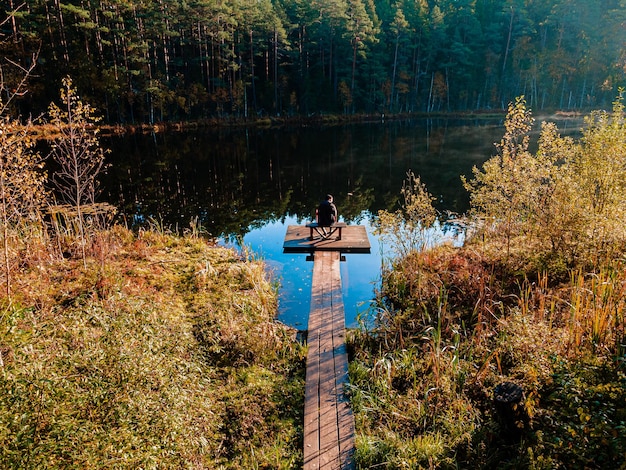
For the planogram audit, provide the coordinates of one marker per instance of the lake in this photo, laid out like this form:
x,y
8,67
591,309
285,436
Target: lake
x,y
244,186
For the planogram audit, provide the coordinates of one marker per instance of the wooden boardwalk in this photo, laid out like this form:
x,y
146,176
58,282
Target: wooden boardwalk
x,y
328,419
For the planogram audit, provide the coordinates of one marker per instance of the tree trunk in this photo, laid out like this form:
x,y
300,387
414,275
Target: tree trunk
x,y
354,48
253,86
13,22
506,50
430,93
66,54
393,74
276,97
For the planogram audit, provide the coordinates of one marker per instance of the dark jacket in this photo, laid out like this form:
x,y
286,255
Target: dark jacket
x,y
326,213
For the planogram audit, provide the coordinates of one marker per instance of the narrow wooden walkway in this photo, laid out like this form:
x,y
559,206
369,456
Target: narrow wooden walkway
x,y
328,419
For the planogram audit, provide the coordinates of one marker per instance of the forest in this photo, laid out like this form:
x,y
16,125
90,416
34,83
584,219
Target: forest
x,y
177,60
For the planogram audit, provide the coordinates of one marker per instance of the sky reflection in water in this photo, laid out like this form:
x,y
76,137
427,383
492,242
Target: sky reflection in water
x,y
360,273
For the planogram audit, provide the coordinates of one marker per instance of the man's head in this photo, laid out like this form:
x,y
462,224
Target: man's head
x,y
329,197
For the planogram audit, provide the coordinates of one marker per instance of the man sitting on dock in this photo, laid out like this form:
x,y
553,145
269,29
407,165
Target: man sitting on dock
x,y
326,220
327,212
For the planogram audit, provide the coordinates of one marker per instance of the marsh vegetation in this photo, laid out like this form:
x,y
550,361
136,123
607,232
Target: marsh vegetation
x,y
534,301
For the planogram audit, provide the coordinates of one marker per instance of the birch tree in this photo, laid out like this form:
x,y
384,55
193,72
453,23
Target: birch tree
x,y
502,191
78,154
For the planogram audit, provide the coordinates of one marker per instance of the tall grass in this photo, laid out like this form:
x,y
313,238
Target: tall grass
x,y
598,303
423,378
162,353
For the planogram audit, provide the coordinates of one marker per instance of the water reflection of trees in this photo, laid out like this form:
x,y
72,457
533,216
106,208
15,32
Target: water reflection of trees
x,y
228,183
232,181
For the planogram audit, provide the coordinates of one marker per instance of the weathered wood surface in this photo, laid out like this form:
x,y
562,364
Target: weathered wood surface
x,y
353,240
328,419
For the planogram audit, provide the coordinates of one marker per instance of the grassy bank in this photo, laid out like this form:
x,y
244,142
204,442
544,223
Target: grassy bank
x,y
159,352
461,322
509,352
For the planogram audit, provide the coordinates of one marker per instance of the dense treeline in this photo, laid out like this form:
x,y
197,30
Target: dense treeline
x,y
148,61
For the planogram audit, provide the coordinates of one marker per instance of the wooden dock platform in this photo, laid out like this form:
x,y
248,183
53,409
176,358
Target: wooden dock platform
x,y
353,240
328,419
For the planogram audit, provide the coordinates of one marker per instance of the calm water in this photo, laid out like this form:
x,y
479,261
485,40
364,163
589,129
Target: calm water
x,y
246,186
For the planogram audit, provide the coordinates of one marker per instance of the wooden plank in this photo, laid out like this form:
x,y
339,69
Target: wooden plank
x,y
345,418
329,423
311,405
354,239
311,400
329,437
329,450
